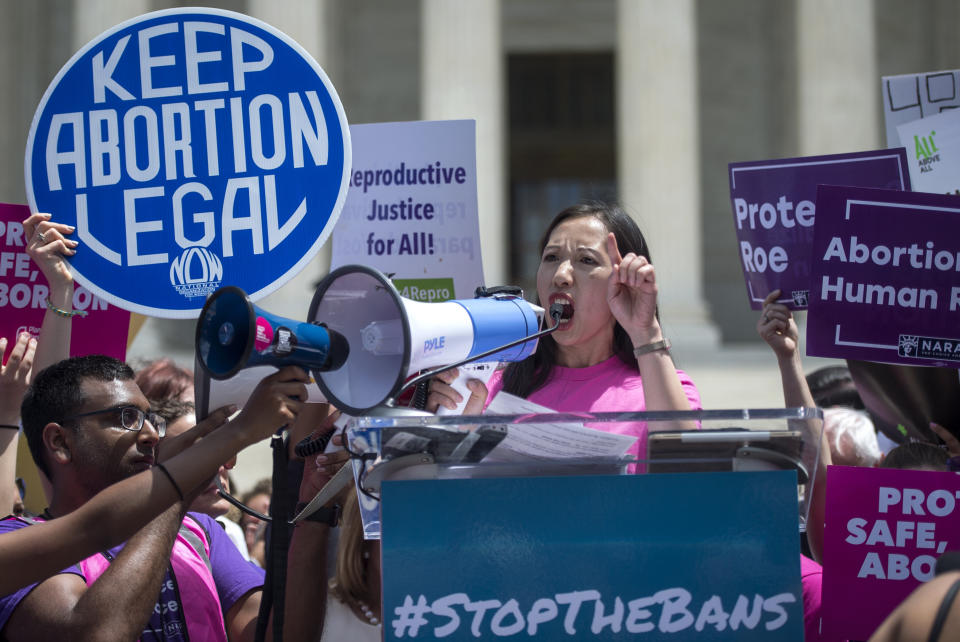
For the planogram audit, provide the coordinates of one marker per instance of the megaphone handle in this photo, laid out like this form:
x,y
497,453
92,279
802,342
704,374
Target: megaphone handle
x,y
307,446
482,370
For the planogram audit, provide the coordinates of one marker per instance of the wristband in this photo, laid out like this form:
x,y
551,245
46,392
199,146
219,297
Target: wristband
x,y
646,348
10,426
166,472
65,313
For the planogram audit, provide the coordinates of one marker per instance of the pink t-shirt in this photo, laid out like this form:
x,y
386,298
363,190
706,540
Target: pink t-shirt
x,y
811,577
609,386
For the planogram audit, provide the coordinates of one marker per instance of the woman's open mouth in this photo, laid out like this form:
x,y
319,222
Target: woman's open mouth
x,y
567,304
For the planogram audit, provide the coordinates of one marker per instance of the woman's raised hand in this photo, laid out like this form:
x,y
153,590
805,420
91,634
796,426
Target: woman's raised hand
x,y
777,327
632,294
49,247
15,376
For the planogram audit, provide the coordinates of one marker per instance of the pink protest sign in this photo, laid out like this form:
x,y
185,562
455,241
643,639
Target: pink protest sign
x,y
24,290
884,530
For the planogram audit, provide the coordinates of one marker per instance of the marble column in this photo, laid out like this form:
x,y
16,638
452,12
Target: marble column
x,y
658,155
839,85
306,22
462,66
93,17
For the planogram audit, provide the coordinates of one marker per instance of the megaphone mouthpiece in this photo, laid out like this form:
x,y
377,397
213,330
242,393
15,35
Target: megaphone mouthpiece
x,y
556,312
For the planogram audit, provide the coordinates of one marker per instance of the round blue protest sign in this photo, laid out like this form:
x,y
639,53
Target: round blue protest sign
x,y
191,149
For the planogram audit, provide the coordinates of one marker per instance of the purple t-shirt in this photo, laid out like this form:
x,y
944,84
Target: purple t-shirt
x,y
233,576
609,386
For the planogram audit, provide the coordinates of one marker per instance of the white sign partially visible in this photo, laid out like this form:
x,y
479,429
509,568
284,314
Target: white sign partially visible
x,y
411,209
933,152
914,96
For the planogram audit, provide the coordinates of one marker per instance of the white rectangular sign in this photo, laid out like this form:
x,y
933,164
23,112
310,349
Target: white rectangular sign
x,y
933,152
914,96
411,209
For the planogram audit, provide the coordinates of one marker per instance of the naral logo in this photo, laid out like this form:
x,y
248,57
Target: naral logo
x,y
196,272
929,348
800,297
908,345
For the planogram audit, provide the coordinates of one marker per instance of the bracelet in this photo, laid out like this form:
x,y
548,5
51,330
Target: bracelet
x,y
166,472
663,344
65,313
10,426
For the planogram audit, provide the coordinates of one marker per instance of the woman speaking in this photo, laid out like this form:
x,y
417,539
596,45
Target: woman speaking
x,y
609,353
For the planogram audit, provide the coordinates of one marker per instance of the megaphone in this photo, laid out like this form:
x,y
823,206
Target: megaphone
x,y
233,334
390,337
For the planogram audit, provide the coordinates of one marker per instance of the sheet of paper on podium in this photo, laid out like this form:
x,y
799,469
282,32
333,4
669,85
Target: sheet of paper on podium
x,y
551,441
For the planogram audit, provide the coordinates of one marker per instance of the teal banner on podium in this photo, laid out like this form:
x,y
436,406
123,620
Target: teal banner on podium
x,y
707,556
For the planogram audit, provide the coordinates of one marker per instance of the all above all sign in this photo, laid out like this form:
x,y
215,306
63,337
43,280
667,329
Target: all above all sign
x,y
192,149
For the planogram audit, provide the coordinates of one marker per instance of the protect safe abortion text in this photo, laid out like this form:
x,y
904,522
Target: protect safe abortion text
x,y
917,532
27,293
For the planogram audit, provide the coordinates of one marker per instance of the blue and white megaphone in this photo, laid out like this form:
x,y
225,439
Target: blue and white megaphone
x,y
233,334
390,337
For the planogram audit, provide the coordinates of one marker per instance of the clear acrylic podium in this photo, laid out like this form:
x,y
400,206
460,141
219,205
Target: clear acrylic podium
x,y
401,445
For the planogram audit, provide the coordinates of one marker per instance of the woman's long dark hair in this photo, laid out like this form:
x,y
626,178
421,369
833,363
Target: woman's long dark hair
x,y
525,377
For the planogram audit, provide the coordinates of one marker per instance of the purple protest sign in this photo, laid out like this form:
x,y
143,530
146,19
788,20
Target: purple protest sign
x,y
774,207
886,277
884,530
23,295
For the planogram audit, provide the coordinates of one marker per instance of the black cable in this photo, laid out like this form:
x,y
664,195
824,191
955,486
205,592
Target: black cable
x,y
364,458
420,394
240,505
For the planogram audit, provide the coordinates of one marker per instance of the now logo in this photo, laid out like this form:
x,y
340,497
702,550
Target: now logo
x,y
195,265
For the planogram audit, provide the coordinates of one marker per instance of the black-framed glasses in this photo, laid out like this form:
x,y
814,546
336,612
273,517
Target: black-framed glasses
x,y
131,418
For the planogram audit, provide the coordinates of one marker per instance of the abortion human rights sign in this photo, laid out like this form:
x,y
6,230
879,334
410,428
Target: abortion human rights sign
x,y
774,210
24,292
886,277
191,148
884,530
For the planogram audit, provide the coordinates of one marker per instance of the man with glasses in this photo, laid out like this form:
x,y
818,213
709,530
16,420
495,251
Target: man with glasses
x,y
88,426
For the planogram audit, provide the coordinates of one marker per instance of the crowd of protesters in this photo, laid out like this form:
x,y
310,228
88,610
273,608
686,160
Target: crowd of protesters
x,y
136,485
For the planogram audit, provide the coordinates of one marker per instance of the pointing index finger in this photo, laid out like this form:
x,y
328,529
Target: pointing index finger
x,y
613,250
